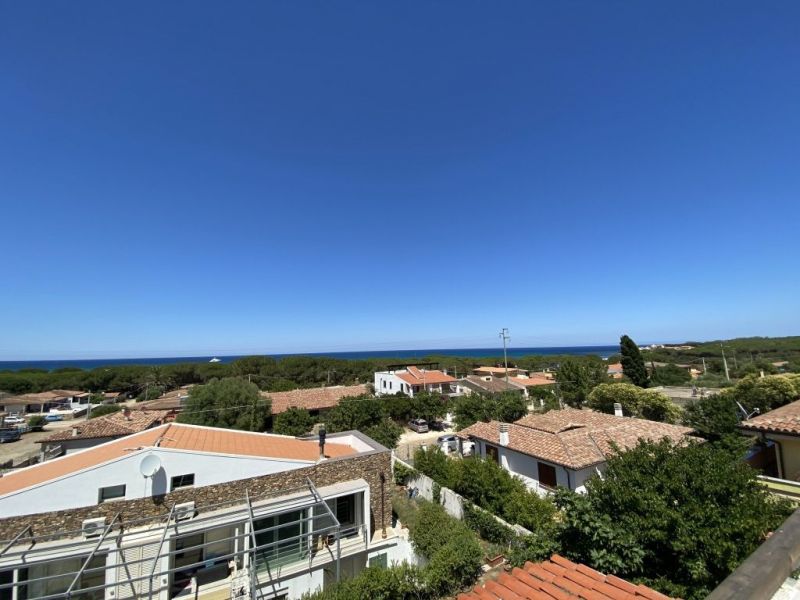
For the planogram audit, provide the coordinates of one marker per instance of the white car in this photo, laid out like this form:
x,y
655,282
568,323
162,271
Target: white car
x,y
13,420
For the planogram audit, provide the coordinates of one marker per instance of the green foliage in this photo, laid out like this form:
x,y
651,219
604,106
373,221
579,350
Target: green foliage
x,y
150,392
635,401
506,407
488,485
681,518
104,409
713,416
36,422
540,545
231,403
294,421
398,582
487,527
402,473
576,377
356,413
428,406
632,362
766,393
670,375
386,432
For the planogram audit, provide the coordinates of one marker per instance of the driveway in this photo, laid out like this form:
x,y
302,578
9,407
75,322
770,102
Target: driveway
x,y
28,446
411,440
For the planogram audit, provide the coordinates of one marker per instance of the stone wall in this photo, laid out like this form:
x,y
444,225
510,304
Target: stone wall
x,y
368,466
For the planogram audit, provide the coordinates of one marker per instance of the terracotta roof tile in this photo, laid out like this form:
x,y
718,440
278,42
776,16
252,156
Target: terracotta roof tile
x,y
109,426
573,581
178,437
313,398
785,419
491,385
575,438
422,377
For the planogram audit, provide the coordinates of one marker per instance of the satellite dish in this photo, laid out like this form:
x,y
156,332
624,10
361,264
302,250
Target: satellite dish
x,y
150,465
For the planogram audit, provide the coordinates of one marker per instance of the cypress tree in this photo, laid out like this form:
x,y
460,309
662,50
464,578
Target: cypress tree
x,y
632,362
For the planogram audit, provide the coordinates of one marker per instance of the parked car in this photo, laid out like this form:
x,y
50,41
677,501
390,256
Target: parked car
x,y
53,417
448,443
439,425
10,434
13,420
418,425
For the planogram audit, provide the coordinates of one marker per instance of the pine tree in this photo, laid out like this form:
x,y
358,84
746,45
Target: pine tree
x,y
632,362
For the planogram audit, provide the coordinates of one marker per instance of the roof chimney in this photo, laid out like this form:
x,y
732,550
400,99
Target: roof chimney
x,y
617,409
504,434
126,412
322,434
74,432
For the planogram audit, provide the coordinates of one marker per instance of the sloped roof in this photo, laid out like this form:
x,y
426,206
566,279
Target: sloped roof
x,y
556,421
109,426
313,398
493,385
563,441
534,379
560,579
415,376
785,419
178,437
614,368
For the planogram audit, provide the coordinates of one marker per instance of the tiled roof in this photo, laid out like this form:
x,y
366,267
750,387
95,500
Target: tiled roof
x,y
614,368
178,437
109,426
578,445
415,376
560,579
498,370
48,396
555,421
493,385
785,419
534,379
313,398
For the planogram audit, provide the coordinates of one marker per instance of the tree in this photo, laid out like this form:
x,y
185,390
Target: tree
x,y
576,377
765,393
713,416
506,407
294,421
104,409
679,518
670,374
367,415
386,432
231,403
636,402
428,406
632,362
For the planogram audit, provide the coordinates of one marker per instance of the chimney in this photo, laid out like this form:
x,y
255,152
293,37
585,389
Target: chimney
x,y
126,412
74,432
504,434
617,409
322,434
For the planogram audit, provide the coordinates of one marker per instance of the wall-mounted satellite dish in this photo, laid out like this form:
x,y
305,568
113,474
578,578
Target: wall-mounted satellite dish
x,y
150,465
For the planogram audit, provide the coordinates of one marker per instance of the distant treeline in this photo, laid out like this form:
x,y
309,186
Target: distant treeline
x,y
268,373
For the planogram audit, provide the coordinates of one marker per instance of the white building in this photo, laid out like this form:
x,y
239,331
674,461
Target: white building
x,y
563,447
185,511
411,380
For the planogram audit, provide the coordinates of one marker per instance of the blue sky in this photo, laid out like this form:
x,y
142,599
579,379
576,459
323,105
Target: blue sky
x,y
206,178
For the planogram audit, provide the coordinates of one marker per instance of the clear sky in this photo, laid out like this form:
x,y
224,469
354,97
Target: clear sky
x,y
217,178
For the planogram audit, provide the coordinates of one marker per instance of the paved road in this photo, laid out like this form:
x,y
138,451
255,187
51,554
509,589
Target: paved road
x,y
411,440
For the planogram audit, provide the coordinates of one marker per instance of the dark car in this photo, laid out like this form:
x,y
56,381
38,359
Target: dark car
x,y
10,434
439,425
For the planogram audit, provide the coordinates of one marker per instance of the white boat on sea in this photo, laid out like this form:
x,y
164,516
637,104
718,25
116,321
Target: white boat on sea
x,y
215,359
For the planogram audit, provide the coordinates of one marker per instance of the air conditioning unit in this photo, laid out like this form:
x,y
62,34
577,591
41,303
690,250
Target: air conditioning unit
x,y
184,511
93,527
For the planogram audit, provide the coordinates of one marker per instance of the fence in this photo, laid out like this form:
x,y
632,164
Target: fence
x,y
452,502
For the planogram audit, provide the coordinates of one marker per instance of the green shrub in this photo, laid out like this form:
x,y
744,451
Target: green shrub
x,y
104,409
489,528
36,422
402,473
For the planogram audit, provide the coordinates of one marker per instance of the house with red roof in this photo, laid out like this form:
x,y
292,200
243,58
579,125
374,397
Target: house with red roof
x,y
410,380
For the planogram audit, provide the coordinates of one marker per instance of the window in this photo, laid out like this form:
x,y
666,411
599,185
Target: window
x,y
282,539
547,475
491,452
113,492
180,481
383,383
381,560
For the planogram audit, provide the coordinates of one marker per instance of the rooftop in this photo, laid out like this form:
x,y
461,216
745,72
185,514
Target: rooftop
x,y
113,425
493,385
313,398
534,379
416,376
48,396
559,579
573,438
785,419
177,436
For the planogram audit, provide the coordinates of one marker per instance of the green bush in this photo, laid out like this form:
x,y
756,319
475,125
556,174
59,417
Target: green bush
x,y
402,473
104,409
487,527
36,422
294,421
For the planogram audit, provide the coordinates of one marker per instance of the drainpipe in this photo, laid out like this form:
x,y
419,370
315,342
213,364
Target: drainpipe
x,y
383,506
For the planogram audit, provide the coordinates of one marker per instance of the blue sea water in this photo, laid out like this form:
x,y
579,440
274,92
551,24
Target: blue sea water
x,y
49,365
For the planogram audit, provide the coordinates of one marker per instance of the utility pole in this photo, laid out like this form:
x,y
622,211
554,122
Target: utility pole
x,y
504,335
725,363
704,365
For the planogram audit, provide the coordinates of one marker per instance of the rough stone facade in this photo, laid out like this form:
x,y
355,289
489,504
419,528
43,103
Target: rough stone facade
x,y
369,466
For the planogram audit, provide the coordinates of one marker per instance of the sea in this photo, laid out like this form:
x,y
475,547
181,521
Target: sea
x,y
94,363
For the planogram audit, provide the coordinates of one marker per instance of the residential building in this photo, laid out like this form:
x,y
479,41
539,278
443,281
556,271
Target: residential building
x,y
562,579
563,447
67,401
485,384
779,432
499,371
614,370
313,399
93,432
683,395
412,380
182,511
172,401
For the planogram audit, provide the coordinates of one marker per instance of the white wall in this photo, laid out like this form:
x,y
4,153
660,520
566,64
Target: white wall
x,y
81,489
388,384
